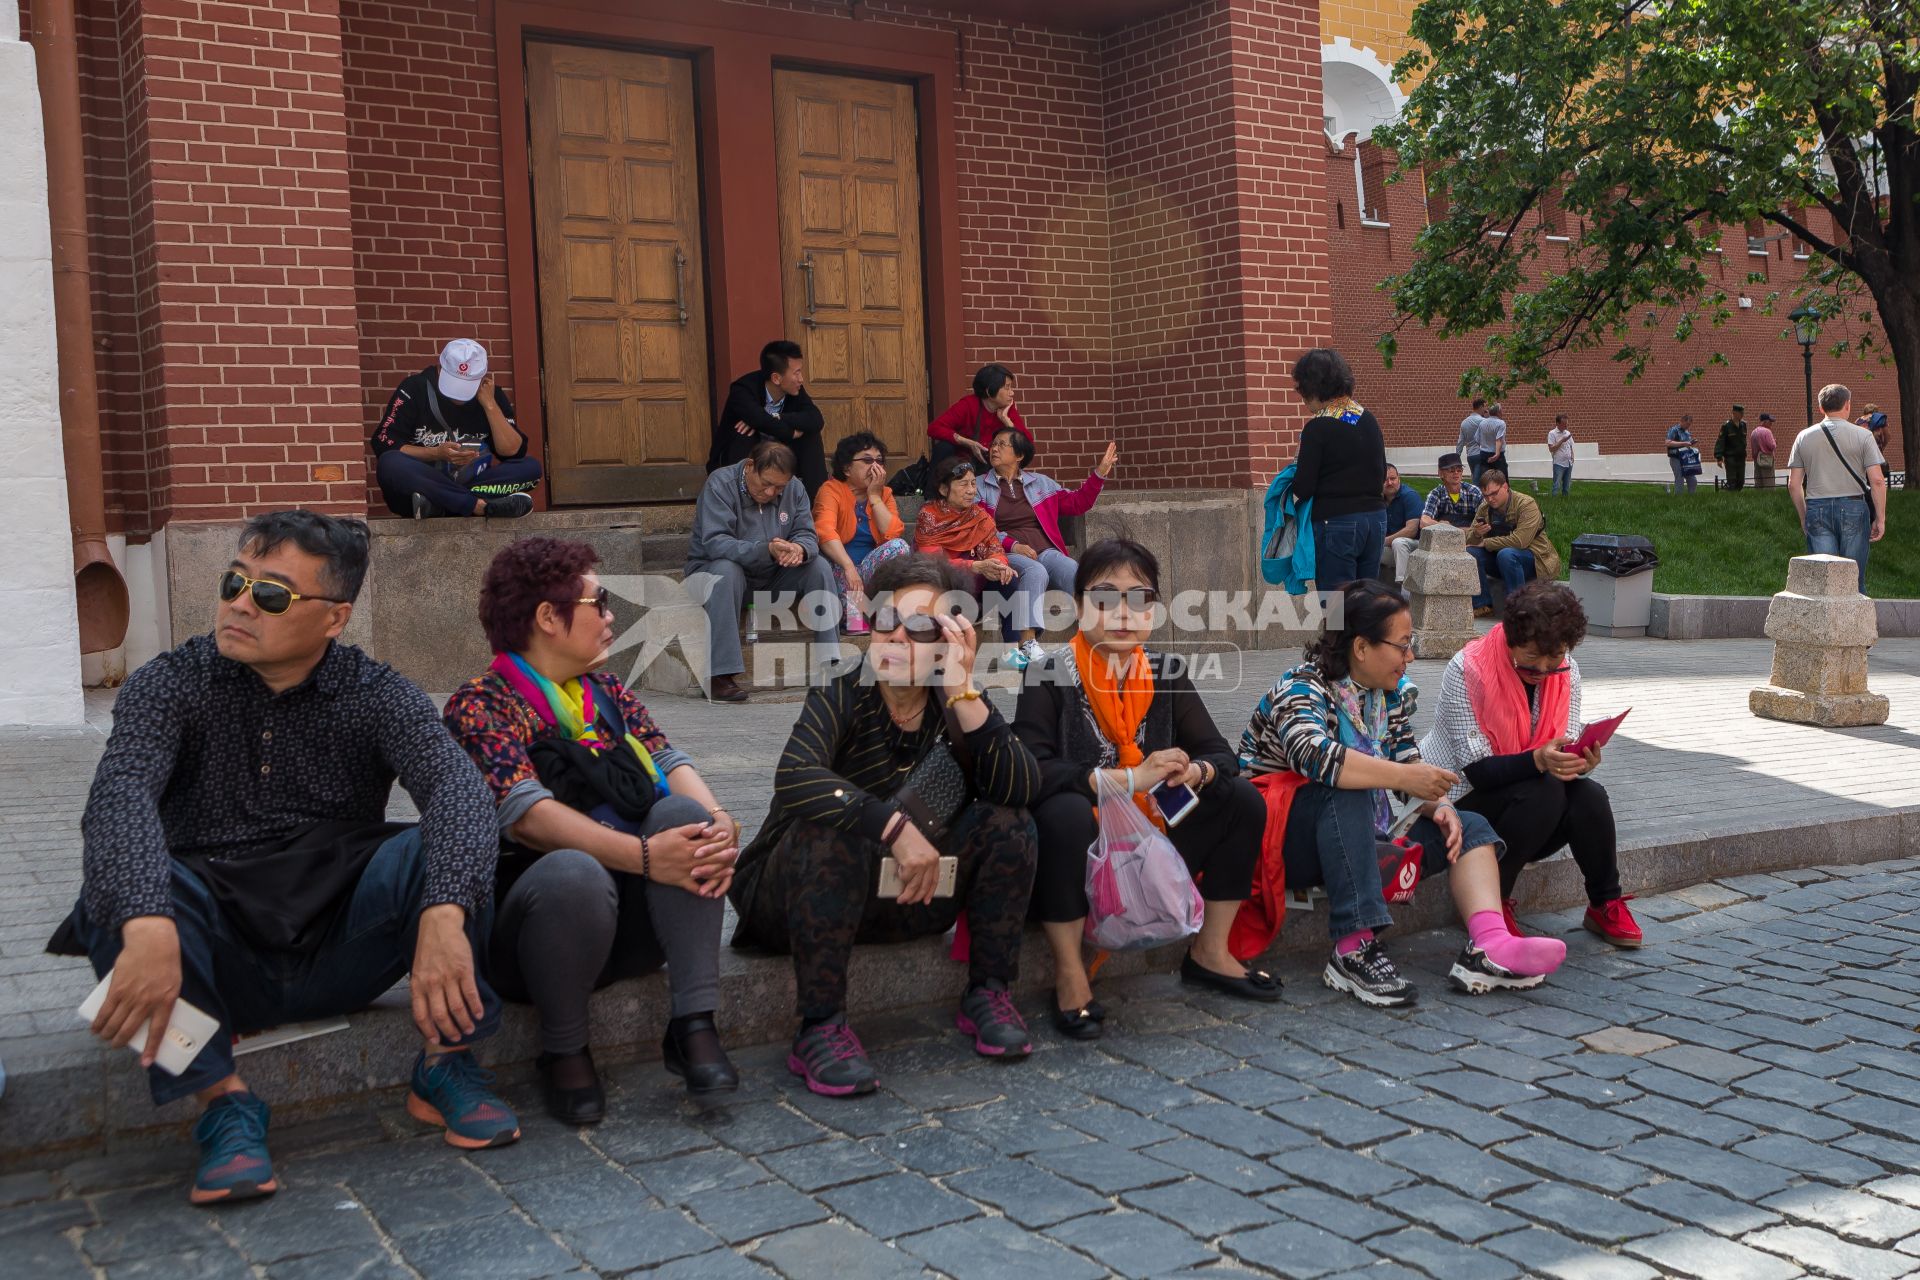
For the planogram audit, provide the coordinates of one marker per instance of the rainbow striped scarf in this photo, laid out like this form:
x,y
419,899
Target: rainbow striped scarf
x,y
569,708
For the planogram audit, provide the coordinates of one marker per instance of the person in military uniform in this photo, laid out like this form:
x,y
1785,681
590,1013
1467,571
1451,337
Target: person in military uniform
x,y
1730,448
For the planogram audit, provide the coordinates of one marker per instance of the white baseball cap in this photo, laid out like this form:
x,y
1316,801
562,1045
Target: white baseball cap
x,y
463,362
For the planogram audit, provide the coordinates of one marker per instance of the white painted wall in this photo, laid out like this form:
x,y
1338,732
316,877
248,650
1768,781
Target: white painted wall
x,y
40,641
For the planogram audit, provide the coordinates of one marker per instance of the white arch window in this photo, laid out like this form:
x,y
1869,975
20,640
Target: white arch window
x,y
1359,96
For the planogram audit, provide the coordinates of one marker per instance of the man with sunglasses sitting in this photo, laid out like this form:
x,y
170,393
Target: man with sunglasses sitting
x,y
900,761
237,856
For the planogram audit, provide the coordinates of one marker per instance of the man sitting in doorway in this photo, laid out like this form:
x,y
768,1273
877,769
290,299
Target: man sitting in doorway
x,y
237,856
1454,500
753,531
447,444
1509,531
1404,507
772,403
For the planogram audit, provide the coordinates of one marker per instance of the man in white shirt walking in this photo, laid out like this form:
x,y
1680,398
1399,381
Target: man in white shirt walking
x,y
1470,428
1838,479
1560,444
1490,450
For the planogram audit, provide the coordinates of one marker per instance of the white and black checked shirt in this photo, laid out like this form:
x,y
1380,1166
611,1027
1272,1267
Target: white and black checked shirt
x,y
1456,740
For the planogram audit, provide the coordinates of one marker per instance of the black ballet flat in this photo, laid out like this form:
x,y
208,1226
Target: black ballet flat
x,y
1079,1024
704,1079
586,1104
1258,984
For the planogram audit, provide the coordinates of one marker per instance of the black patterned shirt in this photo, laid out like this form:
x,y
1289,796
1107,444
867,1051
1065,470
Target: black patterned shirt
x,y
205,759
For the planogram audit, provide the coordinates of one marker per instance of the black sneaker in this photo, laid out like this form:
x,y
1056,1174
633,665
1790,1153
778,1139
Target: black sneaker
x,y
1476,975
987,1014
831,1059
1369,977
510,507
422,509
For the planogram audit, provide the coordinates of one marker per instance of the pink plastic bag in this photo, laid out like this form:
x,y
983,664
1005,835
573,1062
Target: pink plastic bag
x,y
1139,893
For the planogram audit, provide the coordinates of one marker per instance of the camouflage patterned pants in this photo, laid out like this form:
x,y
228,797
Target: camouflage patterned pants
x,y
813,895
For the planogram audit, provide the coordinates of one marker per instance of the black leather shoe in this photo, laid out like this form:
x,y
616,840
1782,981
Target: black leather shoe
x,y
704,1078
584,1104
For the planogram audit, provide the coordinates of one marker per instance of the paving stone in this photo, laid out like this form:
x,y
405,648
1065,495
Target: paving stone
x,y
46,1257
1764,1113
839,1160
218,1262
1565,1162
897,1205
1202,1208
1904,1188
1107,1168
1881,1115
1463,1122
1697,1162
1344,1217
1129,1243
1545,1253
1677,1086
550,1156
504,1247
833,1251
761,1127
45,1216
629,1140
1803,1035
1029,1196
367,1262
1229,1126
995,1249
1342,1171
297,1221
1814,1159
1453,1215
1888,1084
748,1213
1378,1271
582,1198
718,1265
1297,1250
1688,1121
1453,1163
1594,1090
1795,1089
1342,1123
1827,1253
1421,1248
1625,1040
139,1224
1370,1088
1251,1087
865,1117
1853,1214
1693,1253
1887,1151
681,1178
1134,1088
1590,1127
1175,1057
1014,1130
1109,1123
19,1188
1583,1213
1229,1169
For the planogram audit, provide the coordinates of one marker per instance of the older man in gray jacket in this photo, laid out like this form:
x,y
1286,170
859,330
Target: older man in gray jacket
x,y
753,531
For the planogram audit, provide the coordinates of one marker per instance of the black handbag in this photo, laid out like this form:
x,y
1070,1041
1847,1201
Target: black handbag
x,y
936,790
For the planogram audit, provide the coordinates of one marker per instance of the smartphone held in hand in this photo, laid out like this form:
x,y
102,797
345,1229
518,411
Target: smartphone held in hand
x,y
890,885
1176,801
189,1030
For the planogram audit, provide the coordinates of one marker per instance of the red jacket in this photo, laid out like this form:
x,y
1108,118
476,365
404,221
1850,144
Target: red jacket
x,y
1265,910
968,418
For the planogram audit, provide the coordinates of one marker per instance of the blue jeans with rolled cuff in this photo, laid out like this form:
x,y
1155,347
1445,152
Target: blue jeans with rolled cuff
x,y
1514,566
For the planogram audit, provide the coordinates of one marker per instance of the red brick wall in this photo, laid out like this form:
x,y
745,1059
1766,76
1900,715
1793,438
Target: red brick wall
x,y
1418,400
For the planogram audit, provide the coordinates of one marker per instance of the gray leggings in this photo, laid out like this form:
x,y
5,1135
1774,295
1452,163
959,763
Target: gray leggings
x,y
570,926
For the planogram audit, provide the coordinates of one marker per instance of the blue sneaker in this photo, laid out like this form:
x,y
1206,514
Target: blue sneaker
x,y
456,1094
234,1164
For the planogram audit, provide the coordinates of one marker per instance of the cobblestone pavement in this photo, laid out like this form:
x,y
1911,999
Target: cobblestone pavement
x,y
1734,1102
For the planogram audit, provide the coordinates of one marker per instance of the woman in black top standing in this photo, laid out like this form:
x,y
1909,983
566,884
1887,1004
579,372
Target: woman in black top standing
x,y
1343,468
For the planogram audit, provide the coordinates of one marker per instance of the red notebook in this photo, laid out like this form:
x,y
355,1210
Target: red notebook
x,y
1596,734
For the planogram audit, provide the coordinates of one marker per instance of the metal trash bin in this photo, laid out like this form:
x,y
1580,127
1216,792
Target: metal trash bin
x,y
1612,574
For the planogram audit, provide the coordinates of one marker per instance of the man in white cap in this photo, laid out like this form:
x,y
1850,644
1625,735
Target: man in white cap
x,y
447,446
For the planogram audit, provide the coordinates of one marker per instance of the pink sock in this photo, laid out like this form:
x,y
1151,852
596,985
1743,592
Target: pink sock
x,y
1352,942
1525,956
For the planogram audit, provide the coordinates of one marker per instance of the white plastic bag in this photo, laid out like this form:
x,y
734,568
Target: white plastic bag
x,y
1139,893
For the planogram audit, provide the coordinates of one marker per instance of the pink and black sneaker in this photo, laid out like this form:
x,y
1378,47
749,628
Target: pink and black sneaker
x,y
830,1058
988,1015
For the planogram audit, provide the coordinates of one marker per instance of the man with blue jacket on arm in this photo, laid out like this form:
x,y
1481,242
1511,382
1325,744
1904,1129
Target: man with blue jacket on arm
x,y
237,856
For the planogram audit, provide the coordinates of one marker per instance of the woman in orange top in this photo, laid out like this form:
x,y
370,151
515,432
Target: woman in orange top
x,y
857,522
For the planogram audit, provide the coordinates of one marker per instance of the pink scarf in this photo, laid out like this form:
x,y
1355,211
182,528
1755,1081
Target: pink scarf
x,y
1499,698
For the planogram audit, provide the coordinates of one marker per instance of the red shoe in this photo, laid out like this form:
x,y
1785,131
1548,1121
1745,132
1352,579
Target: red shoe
x,y
1513,920
1612,921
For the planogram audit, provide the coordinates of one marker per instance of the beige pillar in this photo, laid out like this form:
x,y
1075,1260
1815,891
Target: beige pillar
x,y
1441,579
1821,628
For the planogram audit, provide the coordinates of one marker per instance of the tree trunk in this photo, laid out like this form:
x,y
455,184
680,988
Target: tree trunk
x,y
1899,304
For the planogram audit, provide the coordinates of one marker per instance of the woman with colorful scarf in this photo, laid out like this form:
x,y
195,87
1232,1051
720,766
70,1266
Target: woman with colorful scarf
x,y
631,868
1109,706
1343,721
1508,703
1342,470
956,525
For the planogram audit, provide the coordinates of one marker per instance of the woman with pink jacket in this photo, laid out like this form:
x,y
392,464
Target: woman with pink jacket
x,y
1027,508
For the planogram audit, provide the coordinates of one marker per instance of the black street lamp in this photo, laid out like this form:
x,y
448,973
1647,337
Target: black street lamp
x,y
1806,331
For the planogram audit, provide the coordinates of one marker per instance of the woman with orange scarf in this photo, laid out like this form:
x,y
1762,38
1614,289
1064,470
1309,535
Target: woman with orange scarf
x,y
1107,705
954,524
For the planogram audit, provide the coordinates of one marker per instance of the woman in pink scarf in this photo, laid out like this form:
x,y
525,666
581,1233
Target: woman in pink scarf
x,y
1509,703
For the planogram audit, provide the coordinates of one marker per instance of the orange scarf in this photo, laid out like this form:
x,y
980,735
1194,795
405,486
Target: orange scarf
x,y
1119,707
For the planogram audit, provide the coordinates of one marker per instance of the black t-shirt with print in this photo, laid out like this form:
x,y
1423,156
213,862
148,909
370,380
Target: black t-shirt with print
x,y
408,417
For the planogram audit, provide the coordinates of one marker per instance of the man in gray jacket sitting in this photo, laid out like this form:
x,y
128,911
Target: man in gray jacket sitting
x,y
753,531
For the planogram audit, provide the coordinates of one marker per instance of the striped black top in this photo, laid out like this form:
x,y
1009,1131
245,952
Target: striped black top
x,y
846,758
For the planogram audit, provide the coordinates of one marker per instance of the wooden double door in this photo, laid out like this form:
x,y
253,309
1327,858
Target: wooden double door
x,y
626,361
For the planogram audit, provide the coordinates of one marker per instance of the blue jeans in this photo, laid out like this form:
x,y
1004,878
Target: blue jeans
x,y
1514,566
1051,570
1840,527
369,948
1563,478
1330,841
1346,548
401,476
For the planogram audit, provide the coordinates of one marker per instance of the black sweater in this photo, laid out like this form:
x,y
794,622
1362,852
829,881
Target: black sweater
x,y
1342,466
798,427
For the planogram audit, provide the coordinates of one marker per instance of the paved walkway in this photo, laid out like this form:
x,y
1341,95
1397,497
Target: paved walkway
x,y
1734,1102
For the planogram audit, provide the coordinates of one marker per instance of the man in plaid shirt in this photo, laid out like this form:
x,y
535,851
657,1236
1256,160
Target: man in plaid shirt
x,y
1454,500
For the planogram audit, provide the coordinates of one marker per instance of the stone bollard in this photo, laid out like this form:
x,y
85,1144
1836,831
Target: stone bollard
x,y
1441,579
1821,628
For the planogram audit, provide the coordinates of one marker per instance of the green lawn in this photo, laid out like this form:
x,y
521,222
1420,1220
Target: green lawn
x,y
1718,543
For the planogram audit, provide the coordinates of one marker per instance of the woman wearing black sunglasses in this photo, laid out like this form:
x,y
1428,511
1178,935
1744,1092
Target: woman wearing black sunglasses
x,y
1509,704
1109,706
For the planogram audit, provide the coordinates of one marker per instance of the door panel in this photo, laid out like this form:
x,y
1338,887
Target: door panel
x,y
622,304
847,151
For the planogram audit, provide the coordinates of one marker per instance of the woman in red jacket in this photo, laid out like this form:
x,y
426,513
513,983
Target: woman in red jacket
x,y
967,426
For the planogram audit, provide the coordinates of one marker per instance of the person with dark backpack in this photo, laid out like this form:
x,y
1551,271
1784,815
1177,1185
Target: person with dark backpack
x,y
447,444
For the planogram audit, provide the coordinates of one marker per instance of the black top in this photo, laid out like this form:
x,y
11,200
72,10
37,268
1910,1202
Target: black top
x,y
1055,723
1342,466
797,425
408,418
205,759
1489,773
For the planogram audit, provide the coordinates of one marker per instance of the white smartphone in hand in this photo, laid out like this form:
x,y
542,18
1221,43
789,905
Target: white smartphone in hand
x,y
1176,801
189,1030
890,885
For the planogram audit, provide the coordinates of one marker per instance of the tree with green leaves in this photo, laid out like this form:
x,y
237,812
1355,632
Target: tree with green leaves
x,y
1657,124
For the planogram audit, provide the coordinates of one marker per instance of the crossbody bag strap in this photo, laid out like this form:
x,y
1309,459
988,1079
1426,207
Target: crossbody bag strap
x,y
1865,490
433,407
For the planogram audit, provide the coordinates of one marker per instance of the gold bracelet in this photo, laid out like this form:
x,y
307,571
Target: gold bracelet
x,y
965,695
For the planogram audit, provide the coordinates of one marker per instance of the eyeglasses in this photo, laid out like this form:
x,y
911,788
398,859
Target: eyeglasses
x,y
599,600
878,460
1543,673
269,597
1139,599
1406,649
922,628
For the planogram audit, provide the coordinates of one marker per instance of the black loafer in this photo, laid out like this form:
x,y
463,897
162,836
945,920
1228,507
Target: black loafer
x,y
704,1079
1256,985
586,1104
1077,1024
